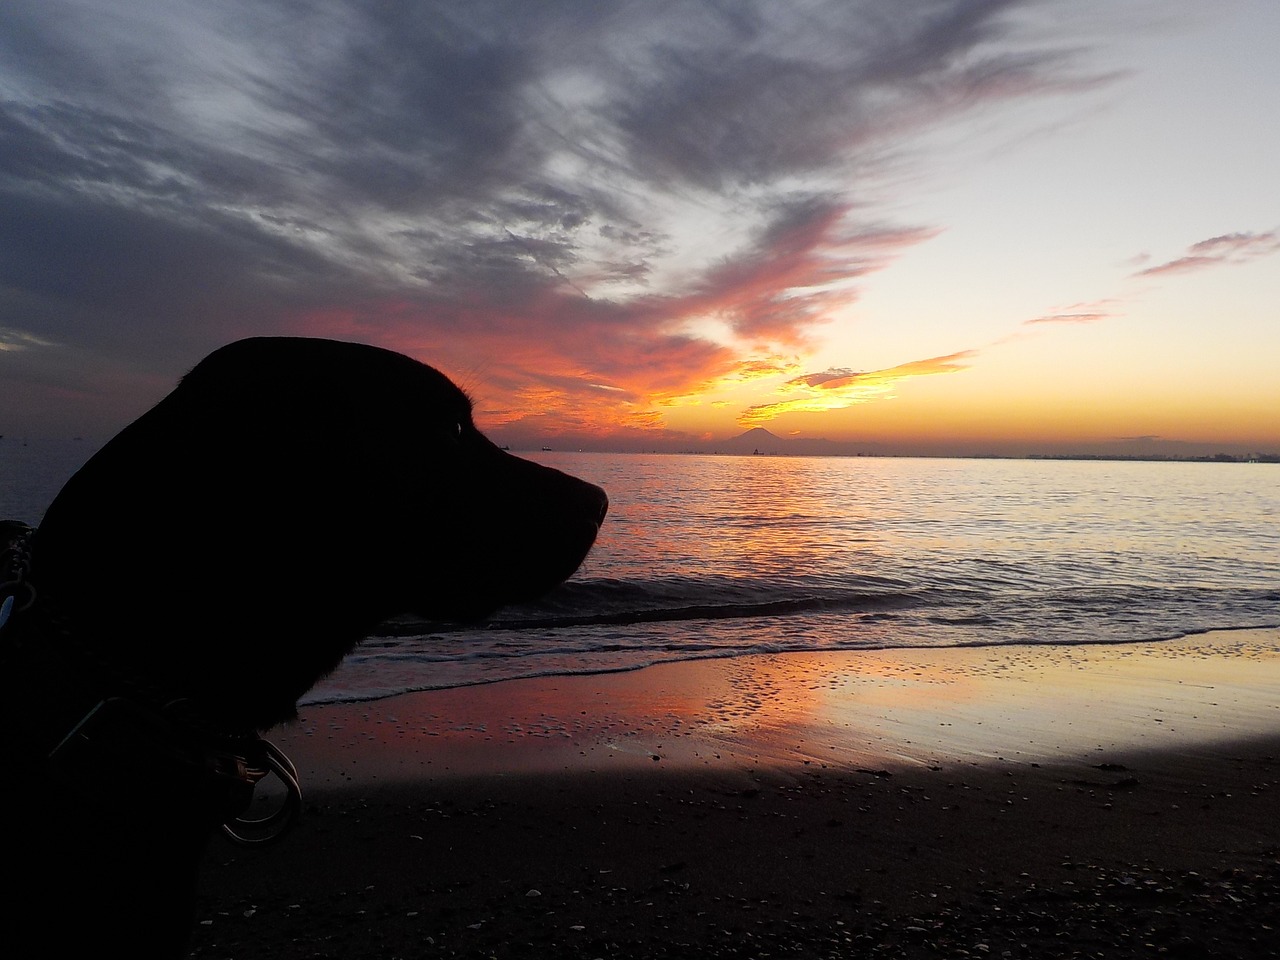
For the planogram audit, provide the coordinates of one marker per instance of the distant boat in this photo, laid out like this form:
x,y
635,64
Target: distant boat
x,y
548,449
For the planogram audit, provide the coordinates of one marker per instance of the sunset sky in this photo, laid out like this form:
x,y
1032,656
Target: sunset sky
x,y
929,226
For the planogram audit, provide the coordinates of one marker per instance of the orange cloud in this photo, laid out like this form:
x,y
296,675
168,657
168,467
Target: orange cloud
x,y
841,388
552,366
769,367
557,362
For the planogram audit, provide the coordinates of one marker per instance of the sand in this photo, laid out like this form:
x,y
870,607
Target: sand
x,y
985,801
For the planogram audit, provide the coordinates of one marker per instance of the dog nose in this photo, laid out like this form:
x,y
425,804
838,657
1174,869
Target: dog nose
x,y
602,503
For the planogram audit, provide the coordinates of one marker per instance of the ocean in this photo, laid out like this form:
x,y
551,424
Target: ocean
x,y
721,556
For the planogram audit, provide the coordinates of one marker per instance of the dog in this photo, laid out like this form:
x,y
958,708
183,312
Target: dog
x,y
201,572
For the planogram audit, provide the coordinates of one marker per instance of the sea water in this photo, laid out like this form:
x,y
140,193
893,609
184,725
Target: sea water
x,y
719,556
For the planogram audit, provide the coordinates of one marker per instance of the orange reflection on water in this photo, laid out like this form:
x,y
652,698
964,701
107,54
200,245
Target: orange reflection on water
x,y
783,516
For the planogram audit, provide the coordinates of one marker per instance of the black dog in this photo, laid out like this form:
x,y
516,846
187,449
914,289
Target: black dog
x,y
202,572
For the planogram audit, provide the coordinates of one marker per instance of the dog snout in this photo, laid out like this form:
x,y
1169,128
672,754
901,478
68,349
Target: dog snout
x,y
582,515
599,501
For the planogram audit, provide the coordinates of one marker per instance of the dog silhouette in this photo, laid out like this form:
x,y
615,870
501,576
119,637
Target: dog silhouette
x,y
202,571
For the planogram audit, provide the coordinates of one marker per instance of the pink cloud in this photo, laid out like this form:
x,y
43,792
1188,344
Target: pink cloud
x,y
1228,248
800,270
1071,318
1239,242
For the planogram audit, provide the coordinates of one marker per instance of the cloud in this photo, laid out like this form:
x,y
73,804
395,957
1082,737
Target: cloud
x,y
13,340
835,375
1071,318
1080,313
840,388
766,367
1230,248
640,196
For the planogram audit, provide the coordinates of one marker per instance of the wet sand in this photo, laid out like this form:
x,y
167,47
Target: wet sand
x,y
986,801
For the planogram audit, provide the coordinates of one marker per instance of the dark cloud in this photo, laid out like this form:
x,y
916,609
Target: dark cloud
x,y
403,107
743,100
176,174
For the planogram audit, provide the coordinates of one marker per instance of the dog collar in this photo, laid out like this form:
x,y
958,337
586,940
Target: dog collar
x,y
16,592
113,731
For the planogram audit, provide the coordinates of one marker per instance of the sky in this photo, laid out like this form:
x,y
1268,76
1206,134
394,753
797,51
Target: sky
x,y
912,226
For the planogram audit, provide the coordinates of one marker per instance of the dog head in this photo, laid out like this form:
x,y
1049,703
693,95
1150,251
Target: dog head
x,y
239,538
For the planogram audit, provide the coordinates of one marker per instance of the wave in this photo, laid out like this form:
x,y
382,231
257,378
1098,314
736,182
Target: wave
x,y
612,625
961,600
611,602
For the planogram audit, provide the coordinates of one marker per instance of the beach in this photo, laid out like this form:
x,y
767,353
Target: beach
x,y
1089,800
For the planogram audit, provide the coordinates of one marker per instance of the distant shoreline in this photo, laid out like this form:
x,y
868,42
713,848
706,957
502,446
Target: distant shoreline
x,y
782,447
1100,457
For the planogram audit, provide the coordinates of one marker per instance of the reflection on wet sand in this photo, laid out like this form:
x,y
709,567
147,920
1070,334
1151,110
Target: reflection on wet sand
x,y
870,708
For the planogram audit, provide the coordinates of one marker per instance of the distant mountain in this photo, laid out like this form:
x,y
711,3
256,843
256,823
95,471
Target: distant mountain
x,y
757,439
760,441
